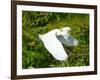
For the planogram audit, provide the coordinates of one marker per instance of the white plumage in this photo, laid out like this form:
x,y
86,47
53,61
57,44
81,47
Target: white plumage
x,y
53,42
65,38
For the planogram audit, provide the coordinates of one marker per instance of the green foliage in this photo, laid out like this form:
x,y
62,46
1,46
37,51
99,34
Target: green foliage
x,y
35,55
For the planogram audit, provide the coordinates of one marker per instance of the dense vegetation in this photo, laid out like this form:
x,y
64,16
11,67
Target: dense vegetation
x,y
35,55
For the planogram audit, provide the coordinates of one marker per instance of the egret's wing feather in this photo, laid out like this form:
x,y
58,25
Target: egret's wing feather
x,y
54,46
67,40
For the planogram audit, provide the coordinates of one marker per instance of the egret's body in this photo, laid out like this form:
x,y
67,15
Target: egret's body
x,y
53,41
53,45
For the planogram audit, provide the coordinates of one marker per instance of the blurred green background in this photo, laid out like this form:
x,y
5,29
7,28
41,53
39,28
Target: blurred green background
x,y
35,55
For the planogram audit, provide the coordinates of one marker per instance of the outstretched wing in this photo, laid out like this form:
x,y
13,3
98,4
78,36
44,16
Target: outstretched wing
x,y
53,45
67,40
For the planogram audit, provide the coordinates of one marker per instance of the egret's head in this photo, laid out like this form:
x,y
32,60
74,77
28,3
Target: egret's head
x,y
65,29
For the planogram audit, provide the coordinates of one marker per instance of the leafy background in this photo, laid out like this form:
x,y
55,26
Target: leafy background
x,y
35,55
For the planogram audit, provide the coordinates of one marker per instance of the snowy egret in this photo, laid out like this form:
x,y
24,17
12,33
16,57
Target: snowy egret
x,y
54,39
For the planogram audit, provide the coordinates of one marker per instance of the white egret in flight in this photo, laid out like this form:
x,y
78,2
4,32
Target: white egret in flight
x,y
54,39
